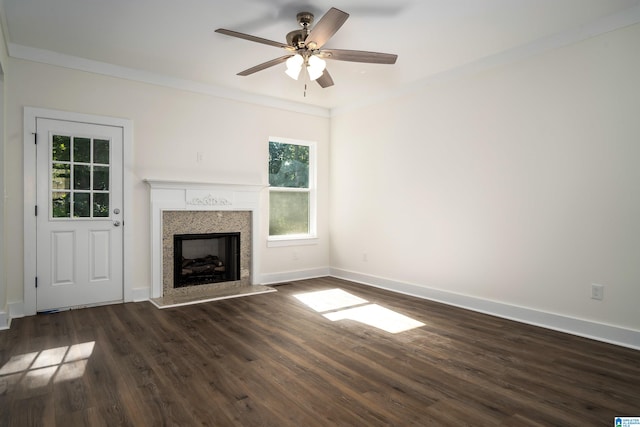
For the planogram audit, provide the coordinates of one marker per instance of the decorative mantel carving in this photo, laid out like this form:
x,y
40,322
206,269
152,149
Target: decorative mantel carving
x,y
207,198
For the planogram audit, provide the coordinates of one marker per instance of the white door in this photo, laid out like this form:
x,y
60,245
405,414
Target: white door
x,y
79,214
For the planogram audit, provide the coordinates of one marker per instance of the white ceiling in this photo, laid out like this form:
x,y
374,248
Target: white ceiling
x,y
176,39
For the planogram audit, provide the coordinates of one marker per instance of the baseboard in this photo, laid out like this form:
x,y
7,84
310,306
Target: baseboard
x,y
5,320
141,294
16,309
288,276
583,328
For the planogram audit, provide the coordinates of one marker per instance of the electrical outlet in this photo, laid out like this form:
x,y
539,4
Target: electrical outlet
x,y
597,291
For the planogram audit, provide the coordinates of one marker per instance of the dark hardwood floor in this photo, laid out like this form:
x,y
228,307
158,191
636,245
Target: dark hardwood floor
x,y
270,360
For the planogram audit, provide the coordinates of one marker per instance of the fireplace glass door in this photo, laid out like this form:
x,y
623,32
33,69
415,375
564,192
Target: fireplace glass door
x,y
201,259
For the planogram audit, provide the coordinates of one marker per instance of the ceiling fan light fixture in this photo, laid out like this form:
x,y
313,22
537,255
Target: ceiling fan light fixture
x,y
294,66
315,67
303,48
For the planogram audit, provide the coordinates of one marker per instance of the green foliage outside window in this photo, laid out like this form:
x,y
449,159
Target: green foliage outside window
x,y
80,177
289,166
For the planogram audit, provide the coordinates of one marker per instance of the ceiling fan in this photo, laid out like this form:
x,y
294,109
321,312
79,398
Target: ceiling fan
x,y
304,48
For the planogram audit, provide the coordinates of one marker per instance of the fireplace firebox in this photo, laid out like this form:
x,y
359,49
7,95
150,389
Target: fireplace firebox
x,y
201,259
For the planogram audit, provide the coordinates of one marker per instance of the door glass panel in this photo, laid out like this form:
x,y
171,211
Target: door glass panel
x,y
101,177
61,205
81,177
61,176
60,151
100,205
101,151
81,205
81,150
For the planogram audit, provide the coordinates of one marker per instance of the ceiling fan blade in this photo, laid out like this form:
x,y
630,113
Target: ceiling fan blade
x,y
325,28
251,38
264,65
359,56
325,79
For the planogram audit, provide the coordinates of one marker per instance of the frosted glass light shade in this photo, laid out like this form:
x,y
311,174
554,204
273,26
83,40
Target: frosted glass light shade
x,y
316,67
294,66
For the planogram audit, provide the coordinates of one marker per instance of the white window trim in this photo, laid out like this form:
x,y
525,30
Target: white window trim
x,y
310,238
291,240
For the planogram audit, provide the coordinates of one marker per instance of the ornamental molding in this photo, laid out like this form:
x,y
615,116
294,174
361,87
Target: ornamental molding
x,y
204,198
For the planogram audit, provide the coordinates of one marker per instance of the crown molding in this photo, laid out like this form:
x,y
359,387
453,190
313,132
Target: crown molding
x,y
613,22
625,18
81,64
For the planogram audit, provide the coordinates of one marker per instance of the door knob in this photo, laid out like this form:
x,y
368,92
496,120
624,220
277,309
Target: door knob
x,y
116,223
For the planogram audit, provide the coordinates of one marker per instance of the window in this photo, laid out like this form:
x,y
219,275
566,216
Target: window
x,y
292,190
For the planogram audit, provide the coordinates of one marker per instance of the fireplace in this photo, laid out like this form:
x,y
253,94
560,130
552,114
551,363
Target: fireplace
x,y
201,259
208,235
202,208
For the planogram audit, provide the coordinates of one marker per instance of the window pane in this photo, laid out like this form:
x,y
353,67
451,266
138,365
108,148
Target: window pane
x,y
81,205
60,150
81,177
101,177
61,176
100,205
288,165
101,151
81,150
288,213
60,205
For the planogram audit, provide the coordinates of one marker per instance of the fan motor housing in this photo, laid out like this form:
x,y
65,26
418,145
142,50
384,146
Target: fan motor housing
x,y
296,38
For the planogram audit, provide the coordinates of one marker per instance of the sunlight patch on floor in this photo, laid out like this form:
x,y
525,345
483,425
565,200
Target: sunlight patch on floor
x,y
337,304
38,369
378,317
331,299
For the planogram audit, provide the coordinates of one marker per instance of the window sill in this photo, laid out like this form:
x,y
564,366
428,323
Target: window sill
x,y
281,241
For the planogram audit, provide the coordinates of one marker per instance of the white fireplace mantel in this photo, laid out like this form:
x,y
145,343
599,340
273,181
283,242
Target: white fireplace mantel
x,y
200,196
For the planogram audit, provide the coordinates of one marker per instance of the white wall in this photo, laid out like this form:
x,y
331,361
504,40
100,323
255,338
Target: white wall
x,y
3,280
170,128
517,185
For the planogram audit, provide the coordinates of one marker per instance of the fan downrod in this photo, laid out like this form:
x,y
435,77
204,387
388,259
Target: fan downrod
x,y
305,19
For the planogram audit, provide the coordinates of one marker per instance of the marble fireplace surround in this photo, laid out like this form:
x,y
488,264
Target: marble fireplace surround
x,y
172,196
204,222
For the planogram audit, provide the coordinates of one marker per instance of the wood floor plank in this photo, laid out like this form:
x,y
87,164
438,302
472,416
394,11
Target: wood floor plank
x,y
271,360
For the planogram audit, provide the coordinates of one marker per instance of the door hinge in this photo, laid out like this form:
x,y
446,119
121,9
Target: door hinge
x,y
36,210
35,138
36,281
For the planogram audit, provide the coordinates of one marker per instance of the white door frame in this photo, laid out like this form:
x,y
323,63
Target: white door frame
x,y
30,243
